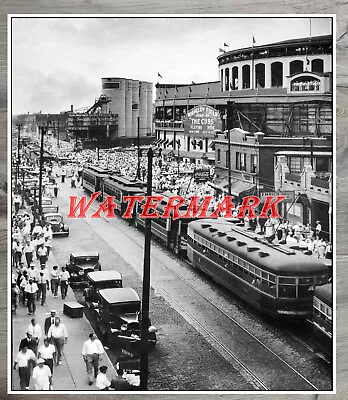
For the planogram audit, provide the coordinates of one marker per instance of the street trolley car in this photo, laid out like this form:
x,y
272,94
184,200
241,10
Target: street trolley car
x,y
322,319
275,279
173,233
120,186
92,178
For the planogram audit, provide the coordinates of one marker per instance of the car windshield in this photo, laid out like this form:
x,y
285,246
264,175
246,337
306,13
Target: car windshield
x,y
107,285
125,308
54,219
86,260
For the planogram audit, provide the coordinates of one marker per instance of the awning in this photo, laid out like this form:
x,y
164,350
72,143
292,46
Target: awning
x,y
190,154
156,141
209,156
238,188
241,188
167,152
304,200
220,185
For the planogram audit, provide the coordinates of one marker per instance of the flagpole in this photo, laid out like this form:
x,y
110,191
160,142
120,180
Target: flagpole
x,y
252,67
310,29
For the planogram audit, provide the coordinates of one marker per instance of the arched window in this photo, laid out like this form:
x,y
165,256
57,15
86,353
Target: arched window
x,y
260,75
234,78
246,76
277,74
318,65
222,80
296,66
227,79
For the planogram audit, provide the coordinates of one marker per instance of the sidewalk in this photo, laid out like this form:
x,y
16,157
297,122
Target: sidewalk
x,y
71,374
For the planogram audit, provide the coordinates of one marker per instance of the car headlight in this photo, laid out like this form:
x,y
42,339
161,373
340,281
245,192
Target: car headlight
x,y
123,327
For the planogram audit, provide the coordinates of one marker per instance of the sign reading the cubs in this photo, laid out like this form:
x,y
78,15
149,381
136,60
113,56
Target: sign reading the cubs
x,y
202,121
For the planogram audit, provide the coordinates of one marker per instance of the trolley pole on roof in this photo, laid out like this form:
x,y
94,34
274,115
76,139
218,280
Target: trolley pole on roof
x,y
144,324
41,167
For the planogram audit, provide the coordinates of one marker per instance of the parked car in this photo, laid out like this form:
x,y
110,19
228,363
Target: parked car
x,y
57,224
98,280
80,264
117,315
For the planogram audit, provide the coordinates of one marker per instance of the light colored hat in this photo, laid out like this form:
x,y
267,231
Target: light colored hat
x,y
41,361
53,311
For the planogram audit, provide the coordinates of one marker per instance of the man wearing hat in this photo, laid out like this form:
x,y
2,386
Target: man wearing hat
x,y
42,376
318,229
49,321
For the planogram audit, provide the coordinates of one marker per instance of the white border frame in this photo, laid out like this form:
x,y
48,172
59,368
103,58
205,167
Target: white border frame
x,y
9,197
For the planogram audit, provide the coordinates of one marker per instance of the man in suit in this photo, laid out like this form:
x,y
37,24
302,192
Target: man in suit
x,y
29,342
49,321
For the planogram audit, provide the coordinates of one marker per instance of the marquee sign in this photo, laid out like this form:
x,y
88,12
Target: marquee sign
x,y
202,121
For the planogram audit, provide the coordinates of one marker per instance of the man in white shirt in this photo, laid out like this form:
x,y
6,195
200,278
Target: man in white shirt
x,y
29,252
64,277
43,284
35,330
47,352
30,290
92,351
102,382
37,230
59,337
42,376
33,272
22,359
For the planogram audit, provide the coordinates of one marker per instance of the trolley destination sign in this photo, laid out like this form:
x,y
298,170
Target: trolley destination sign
x,y
202,120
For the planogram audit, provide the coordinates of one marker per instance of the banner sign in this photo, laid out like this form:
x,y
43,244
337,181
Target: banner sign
x,y
290,195
201,174
202,121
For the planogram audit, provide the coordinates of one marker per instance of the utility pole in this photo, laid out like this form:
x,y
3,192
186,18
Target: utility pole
x,y
18,153
144,327
58,133
41,167
138,144
229,160
178,143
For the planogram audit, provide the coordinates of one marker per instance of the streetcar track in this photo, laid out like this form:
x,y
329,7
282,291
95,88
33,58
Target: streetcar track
x,y
216,340
222,312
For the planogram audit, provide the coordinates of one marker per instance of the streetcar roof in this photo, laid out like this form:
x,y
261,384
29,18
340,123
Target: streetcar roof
x,y
119,295
278,259
108,275
324,293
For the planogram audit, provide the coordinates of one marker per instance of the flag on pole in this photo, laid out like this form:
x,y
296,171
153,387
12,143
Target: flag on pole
x,y
221,51
159,75
226,45
254,41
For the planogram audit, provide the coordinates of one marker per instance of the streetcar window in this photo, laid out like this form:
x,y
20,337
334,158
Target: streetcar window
x,y
321,280
306,281
287,291
287,281
329,313
305,291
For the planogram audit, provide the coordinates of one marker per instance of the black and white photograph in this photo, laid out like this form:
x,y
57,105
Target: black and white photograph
x,y
171,201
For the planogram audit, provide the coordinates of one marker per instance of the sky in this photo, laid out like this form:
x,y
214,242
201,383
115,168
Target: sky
x,y
59,61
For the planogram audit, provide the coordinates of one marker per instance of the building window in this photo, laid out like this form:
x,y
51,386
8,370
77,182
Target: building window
x,y
240,161
218,155
111,85
227,79
322,164
260,75
296,66
277,74
246,76
295,165
222,80
234,79
318,65
253,164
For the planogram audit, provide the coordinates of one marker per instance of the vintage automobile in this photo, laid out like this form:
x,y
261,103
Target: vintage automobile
x,y
117,316
57,224
98,280
80,264
49,208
